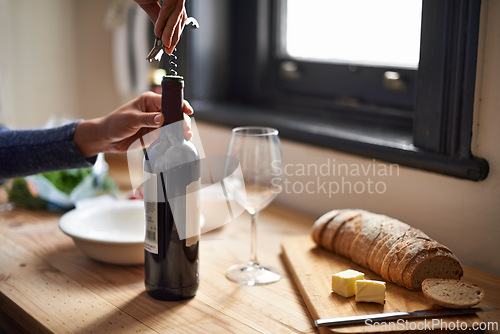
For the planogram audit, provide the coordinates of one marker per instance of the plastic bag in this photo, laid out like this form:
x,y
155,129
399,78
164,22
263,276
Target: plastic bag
x,y
61,190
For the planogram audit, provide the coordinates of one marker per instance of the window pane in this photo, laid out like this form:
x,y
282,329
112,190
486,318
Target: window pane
x,y
365,32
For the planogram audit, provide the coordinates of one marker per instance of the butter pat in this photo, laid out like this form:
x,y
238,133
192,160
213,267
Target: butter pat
x,y
343,283
370,291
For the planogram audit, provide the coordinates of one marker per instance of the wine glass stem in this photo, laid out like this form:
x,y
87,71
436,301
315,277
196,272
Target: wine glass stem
x,y
253,233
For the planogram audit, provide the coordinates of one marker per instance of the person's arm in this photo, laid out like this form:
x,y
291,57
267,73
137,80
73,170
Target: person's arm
x,y
168,19
75,145
26,152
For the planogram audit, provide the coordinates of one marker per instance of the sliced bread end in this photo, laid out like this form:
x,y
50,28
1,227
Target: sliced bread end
x,y
452,293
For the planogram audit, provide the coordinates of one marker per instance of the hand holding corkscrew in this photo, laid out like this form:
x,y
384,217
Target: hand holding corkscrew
x,y
168,17
157,51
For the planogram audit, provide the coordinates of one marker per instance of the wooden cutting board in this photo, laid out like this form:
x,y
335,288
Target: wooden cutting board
x,y
312,267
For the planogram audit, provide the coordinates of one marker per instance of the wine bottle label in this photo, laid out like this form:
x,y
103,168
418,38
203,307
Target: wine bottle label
x,y
151,209
185,209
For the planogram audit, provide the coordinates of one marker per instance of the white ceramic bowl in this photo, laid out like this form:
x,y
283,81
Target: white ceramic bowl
x,y
112,232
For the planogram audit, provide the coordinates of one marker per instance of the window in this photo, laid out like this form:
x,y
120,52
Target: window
x,y
242,67
382,32
358,51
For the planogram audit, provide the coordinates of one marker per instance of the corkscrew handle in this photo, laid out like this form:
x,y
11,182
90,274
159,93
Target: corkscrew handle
x,y
157,50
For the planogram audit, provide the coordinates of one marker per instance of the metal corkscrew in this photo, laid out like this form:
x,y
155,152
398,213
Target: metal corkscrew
x,y
158,49
173,64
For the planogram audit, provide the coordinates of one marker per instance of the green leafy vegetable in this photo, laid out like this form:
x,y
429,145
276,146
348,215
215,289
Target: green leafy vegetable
x,y
67,180
21,193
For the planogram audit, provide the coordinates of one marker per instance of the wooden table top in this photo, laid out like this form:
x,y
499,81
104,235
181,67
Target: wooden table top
x,y
48,285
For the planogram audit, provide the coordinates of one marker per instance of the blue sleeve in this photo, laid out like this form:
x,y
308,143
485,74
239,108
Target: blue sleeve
x,y
27,152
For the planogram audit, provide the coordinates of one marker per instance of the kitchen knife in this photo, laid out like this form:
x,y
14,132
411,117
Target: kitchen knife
x,y
389,316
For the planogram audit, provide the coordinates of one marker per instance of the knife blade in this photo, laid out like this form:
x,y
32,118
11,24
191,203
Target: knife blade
x,y
390,316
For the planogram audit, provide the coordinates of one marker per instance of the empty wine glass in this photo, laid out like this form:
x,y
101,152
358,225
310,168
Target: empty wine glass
x,y
258,150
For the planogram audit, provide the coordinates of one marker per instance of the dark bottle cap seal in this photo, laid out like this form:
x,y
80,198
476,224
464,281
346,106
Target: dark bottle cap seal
x,y
172,98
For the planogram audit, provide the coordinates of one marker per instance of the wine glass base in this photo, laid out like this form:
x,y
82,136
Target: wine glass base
x,y
252,274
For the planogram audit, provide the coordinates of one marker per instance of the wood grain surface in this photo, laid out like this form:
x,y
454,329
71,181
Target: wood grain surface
x,y
312,268
48,285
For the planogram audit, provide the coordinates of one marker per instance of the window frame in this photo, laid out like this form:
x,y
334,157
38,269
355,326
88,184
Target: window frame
x,y
339,83
231,79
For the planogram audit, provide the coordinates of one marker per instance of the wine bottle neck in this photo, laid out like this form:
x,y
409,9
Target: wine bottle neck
x,y
172,99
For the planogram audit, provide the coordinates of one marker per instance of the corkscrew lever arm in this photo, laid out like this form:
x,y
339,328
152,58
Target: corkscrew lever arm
x,y
191,22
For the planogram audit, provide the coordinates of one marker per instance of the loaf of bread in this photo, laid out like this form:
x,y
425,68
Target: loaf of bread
x,y
396,251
